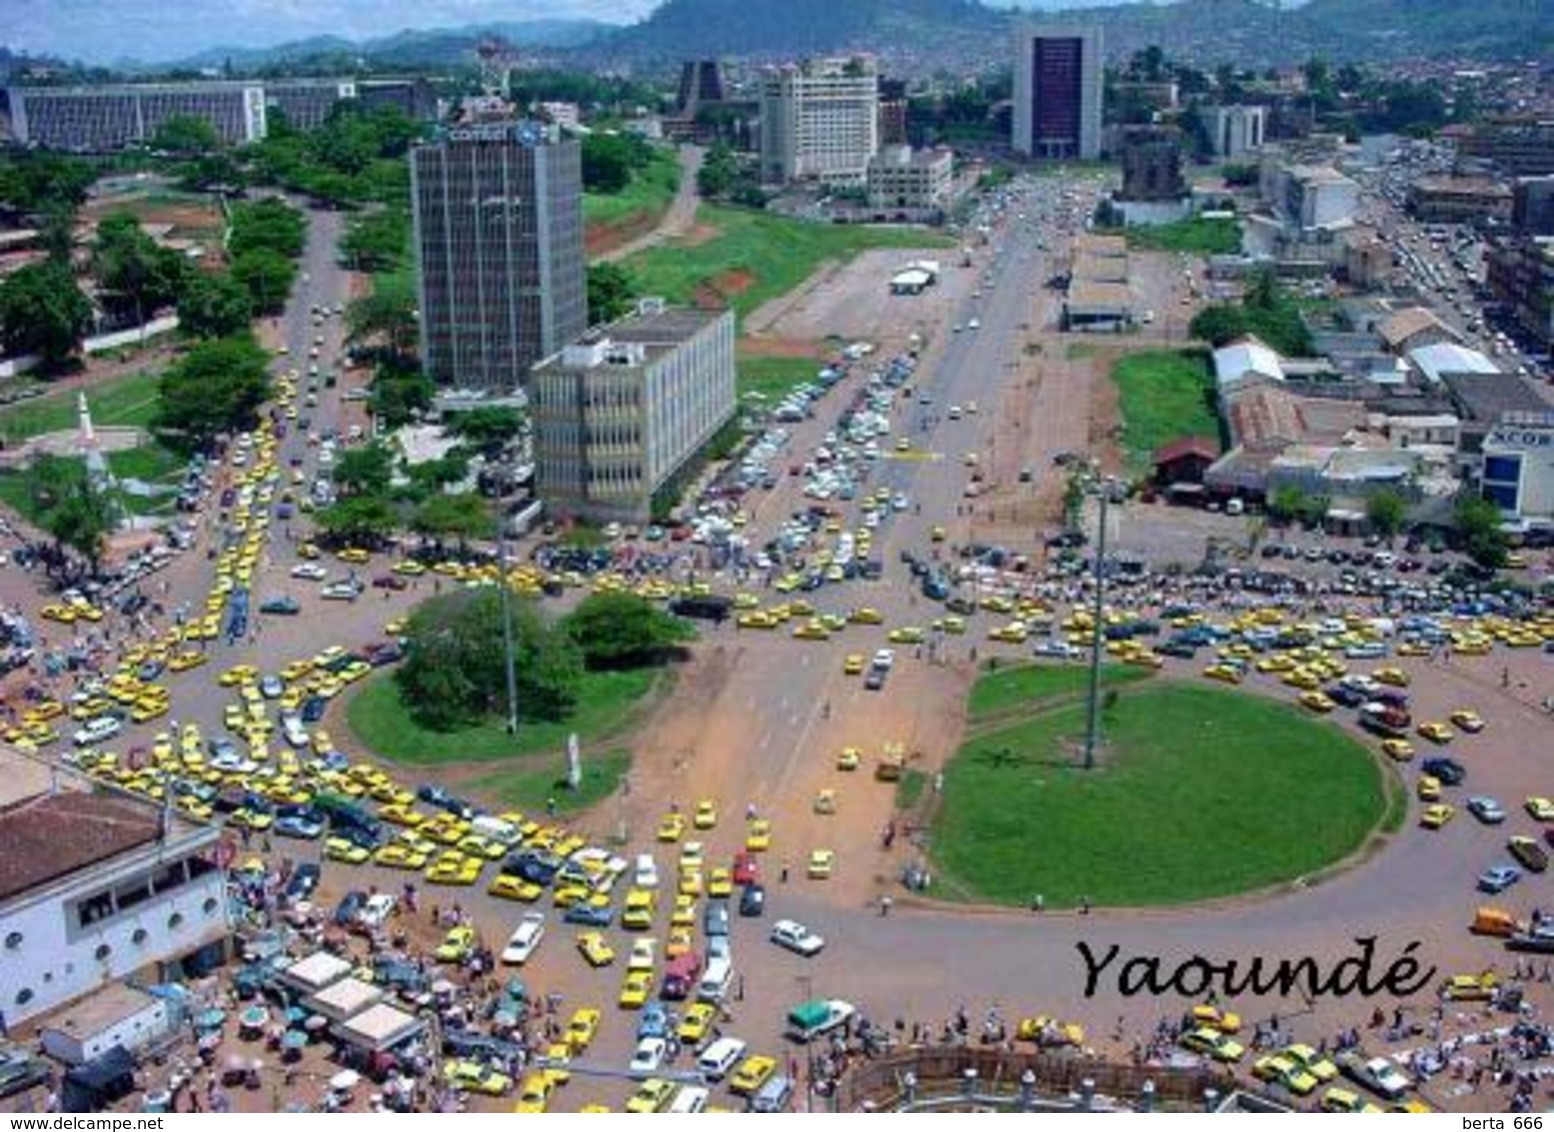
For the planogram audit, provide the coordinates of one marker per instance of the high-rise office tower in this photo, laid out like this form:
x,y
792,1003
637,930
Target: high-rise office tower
x,y
499,234
1057,91
819,121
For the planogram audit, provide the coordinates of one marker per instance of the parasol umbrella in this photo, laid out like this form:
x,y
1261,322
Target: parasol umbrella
x,y
210,1040
295,1014
315,1023
345,1080
211,1019
442,986
254,1018
294,1039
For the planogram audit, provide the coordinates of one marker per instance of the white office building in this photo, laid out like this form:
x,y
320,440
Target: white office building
x,y
620,412
95,888
1235,131
819,121
911,182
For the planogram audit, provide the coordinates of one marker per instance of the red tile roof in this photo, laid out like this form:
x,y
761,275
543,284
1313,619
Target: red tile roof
x,y
1186,446
52,835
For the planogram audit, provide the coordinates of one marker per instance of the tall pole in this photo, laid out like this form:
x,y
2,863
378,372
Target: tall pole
x,y
1093,731
508,662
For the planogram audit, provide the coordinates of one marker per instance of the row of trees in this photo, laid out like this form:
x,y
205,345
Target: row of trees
x,y
354,157
217,387
455,674
1477,520
610,161
723,176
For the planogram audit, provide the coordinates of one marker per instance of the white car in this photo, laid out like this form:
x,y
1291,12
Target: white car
x,y
311,571
525,938
103,727
884,658
646,871
341,591
1060,649
974,324
796,938
377,910
648,1057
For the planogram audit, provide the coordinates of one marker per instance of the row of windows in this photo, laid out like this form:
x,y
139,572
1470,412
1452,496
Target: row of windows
x,y
125,896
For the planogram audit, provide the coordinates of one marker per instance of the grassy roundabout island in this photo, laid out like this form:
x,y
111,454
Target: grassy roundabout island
x,y
1197,793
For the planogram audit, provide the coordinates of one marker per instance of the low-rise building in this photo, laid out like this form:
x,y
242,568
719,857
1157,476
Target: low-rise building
x,y
1234,131
1520,147
911,184
115,1015
623,410
1413,327
1459,198
95,887
1432,363
1517,473
1532,206
1519,272
1319,197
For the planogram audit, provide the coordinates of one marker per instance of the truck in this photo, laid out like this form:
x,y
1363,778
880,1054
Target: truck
x,y
523,518
703,607
817,1017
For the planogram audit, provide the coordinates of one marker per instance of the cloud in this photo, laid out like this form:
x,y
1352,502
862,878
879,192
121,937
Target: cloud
x,y
105,30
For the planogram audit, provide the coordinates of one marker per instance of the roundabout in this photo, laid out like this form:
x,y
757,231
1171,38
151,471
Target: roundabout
x,y
1197,794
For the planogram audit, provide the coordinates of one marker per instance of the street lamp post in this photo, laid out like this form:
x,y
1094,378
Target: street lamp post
x,y
508,662
1093,730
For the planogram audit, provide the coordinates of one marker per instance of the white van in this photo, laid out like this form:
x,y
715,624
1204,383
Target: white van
x,y
715,979
690,1098
496,829
720,1057
774,1096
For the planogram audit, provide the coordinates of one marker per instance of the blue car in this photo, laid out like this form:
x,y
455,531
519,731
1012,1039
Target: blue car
x,y
1498,878
582,913
286,606
654,1022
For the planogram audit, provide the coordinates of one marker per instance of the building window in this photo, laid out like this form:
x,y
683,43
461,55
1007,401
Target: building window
x,y
103,951
1503,469
175,921
1503,495
94,908
140,936
24,996
13,941
210,905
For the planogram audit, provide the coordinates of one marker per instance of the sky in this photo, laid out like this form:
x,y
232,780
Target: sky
x,y
101,31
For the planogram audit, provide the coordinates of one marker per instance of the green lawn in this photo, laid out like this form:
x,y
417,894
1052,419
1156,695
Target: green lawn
x,y
606,703
125,401
909,790
1195,236
542,779
1200,793
997,693
1165,395
150,463
649,193
772,378
759,255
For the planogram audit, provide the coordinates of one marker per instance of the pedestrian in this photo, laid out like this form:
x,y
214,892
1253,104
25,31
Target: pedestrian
x,y
1039,903
784,873
1084,905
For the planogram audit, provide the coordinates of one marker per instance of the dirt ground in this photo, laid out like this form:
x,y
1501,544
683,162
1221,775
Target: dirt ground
x,y
191,220
854,300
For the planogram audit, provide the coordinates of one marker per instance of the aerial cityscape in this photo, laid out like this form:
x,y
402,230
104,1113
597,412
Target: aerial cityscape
x,y
893,556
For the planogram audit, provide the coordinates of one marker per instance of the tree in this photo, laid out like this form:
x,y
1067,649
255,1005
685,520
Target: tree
x,y
57,232
620,630
1287,504
398,395
389,312
376,241
719,171
487,429
463,516
214,305
454,672
43,312
268,276
358,520
1478,529
270,223
184,134
217,387
132,269
365,471
71,508
610,292
1386,511
607,163
1218,323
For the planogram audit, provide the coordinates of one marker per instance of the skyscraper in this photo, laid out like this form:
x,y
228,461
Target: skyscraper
x,y
499,234
1057,91
819,121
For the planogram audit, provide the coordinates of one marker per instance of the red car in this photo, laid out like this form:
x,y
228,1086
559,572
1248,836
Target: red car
x,y
745,868
390,582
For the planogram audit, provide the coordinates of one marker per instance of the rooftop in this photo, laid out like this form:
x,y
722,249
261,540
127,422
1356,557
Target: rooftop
x,y
654,328
1269,416
1486,398
1100,268
1097,244
1403,325
1249,355
1448,357
1090,294
53,835
90,1016
1460,183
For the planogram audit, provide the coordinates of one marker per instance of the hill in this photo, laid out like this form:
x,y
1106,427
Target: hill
x,y
430,47
687,28
1395,28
